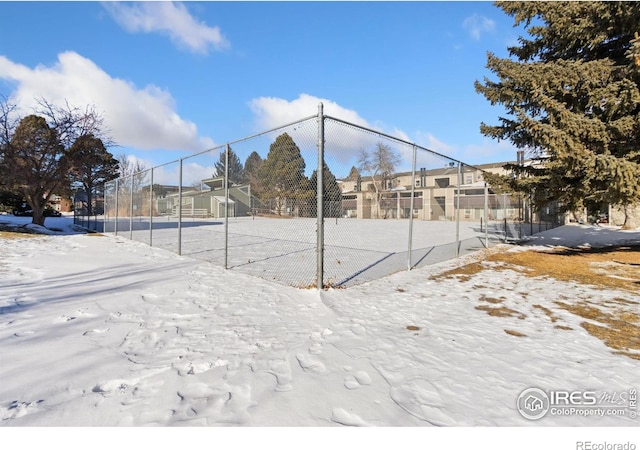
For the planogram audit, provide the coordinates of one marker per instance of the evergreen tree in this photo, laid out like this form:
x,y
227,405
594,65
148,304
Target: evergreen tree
x,y
571,92
331,193
9,201
354,173
236,171
251,167
281,176
91,165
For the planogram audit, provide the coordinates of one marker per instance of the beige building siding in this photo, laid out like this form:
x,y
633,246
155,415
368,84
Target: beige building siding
x,y
435,194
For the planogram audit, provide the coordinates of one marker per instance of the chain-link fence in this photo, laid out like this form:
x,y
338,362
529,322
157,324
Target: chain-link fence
x,y
320,202
88,210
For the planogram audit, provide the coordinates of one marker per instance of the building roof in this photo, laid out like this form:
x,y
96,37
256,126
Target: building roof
x,y
221,199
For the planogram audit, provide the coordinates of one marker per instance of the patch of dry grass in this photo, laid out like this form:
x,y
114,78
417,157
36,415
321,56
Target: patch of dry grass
x,y
617,268
463,273
618,329
605,268
613,321
484,298
515,333
501,311
547,311
8,235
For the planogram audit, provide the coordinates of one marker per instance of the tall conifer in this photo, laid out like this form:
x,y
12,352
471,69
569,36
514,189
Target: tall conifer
x,y
572,98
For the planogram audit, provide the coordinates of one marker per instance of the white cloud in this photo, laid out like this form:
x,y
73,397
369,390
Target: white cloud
x,y
141,118
192,173
476,25
272,112
170,18
193,170
490,150
343,143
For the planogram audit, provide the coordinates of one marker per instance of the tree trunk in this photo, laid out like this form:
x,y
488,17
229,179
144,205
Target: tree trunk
x,y
38,215
630,214
377,197
37,205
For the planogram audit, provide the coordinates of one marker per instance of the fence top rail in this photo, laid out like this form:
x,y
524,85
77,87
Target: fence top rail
x,y
253,136
388,136
223,146
262,133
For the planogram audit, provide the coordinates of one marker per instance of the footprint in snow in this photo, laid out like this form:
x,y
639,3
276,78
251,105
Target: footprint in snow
x,y
23,333
279,368
422,399
315,349
84,312
64,318
17,409
356,380
358,330
344,417
95,331
309,364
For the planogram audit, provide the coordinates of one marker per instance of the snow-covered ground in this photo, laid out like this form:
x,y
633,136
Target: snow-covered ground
x,y
284,250
103,331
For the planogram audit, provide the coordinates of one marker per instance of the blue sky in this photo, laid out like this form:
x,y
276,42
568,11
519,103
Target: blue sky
x,y
173,78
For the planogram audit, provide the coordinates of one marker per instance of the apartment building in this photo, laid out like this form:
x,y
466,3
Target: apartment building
x,y
437,195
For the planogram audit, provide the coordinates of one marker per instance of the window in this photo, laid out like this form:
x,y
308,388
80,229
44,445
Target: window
x,y
442,182
418,183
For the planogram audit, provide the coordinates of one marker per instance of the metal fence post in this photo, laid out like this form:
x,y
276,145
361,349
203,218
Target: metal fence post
x,y
504,213
486,215
531,213
413,191
226,207
115,225
151,210
104,207
458,209
180,208
319,201
131,209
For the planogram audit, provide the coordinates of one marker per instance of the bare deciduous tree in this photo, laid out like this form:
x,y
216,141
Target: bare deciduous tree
x,y
71,122
378,164
129,165
33,159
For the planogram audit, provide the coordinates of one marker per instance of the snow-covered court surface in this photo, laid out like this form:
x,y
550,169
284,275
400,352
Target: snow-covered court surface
x,y
103,331
284,249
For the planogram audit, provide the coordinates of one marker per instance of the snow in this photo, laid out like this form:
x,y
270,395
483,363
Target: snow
x,y
101,331
284,250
